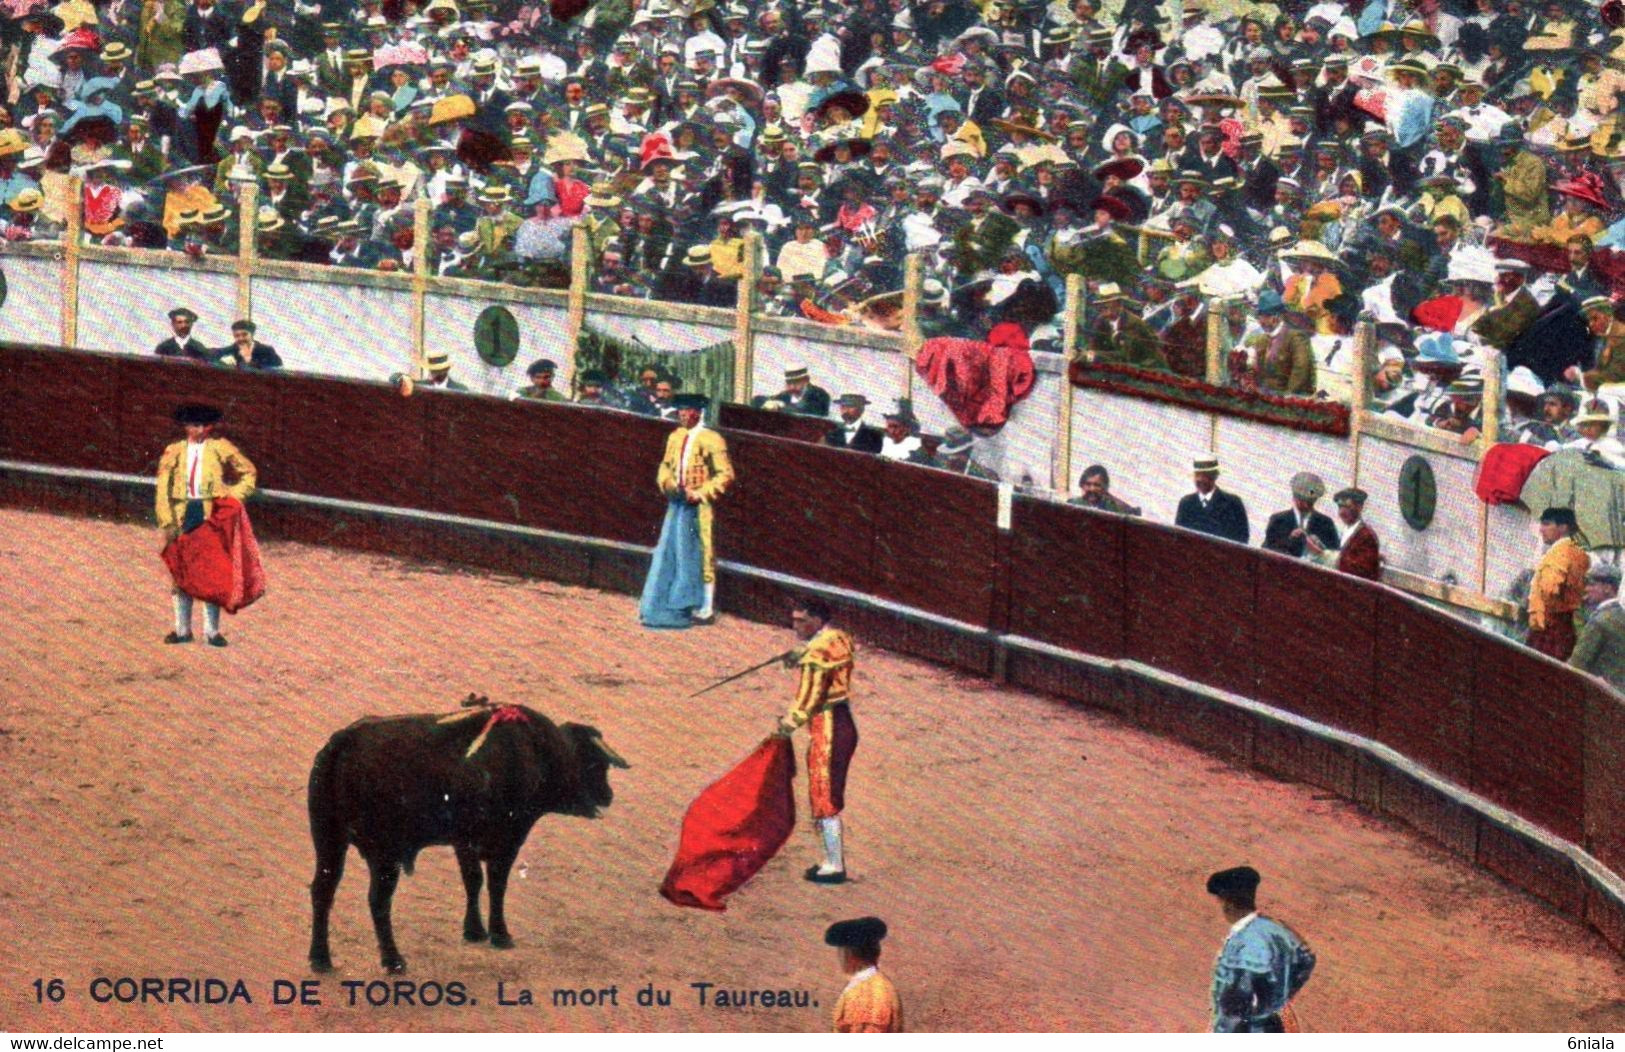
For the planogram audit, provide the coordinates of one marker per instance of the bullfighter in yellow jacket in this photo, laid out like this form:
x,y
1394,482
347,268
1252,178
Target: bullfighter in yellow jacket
x,y
191,474
696,469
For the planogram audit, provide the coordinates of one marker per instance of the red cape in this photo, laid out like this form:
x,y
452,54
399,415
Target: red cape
x,y
979,382
219,562
734,827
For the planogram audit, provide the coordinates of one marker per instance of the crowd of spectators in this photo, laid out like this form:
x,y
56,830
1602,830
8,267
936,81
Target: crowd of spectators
x,y
1448,169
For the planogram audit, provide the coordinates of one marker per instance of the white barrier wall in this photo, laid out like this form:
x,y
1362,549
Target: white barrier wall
x,y
33,309
1448,549
448,324
1260,460
663,334
1146,447
336,329
125,309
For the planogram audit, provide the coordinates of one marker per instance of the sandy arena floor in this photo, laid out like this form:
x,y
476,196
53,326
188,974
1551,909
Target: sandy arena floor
x,y
1041,867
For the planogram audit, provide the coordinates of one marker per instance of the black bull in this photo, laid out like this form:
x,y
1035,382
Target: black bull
x,y
475,780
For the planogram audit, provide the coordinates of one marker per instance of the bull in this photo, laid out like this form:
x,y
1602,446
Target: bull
x,y
475,780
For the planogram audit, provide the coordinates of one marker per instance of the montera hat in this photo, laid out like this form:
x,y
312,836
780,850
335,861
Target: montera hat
x,y
864,931
197,413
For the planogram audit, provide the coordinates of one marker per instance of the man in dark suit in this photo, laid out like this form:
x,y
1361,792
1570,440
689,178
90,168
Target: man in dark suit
x,y
852,432
245,352
182,344
1289,531
1210,510
800,395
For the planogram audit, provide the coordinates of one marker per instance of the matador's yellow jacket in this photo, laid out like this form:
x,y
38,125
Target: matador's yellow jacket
x,y
703,468
1559,585
869,1005
172,480
826,675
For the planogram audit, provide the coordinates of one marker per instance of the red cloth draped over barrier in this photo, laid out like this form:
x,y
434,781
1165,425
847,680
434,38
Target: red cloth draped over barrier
x,y
1504,470
219,562
734,827
979,381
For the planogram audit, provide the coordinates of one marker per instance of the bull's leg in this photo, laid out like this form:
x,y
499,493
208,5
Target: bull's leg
x,y
497,866
329,870
385,874
468,860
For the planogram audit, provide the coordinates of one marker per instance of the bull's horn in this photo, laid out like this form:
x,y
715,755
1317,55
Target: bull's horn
x,y
615,759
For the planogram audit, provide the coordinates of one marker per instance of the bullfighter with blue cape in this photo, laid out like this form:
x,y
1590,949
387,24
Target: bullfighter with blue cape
x,y
681,587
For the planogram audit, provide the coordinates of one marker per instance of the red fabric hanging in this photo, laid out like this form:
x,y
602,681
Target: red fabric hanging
x,y
734,827
219,562
979,381
1504,470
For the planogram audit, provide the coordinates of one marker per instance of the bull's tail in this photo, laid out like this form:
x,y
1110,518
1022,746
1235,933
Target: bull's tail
x,y
331,842
326,824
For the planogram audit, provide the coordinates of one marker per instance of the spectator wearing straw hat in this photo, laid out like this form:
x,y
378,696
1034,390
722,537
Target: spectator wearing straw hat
x,y
1558,587
436,375
497,224
1594,423
800,394
1211,510
1610,336
1119,335
1289,532
956,454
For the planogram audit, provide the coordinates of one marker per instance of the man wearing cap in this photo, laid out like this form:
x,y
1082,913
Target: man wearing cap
x,y
868,1003
955,454
1558,587
1360,554
1601,646
1262,965
822,704
902,439
800,394
852,432
1290,531
182,344
1285,361
695,469
1211,510
540,388
191,474
245,352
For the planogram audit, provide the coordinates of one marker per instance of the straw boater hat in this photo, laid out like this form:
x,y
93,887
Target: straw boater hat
x,y
602,196
495,194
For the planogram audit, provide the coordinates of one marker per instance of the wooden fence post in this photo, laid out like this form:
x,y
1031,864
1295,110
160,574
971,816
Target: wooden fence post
x,y
744,329
576,310
1215,342
70,262
248,224
1072,321
421,208
913,282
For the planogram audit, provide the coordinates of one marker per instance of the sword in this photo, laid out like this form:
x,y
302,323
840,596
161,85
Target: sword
x,y
742,674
